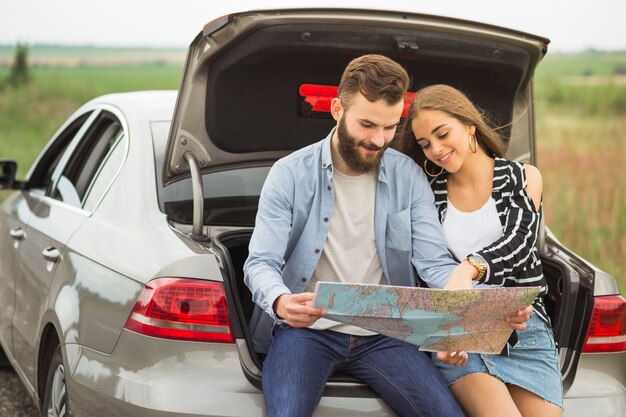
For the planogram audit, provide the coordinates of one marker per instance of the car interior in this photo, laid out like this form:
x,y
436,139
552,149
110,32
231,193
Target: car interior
x,y
252,91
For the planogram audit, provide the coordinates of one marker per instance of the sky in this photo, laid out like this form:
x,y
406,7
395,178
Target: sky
x,y
571,25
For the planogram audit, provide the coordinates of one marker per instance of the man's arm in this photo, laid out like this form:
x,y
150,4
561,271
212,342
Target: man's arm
x,y
266,251
267,248
430,255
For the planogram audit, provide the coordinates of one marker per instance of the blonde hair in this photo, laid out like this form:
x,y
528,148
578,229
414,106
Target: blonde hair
x,y
451,101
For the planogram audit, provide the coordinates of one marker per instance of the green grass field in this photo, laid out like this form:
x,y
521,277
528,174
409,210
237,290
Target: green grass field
x,y
581,120
583,64
29,115
581,116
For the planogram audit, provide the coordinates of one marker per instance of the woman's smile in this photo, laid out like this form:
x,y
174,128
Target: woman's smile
x,y
445,158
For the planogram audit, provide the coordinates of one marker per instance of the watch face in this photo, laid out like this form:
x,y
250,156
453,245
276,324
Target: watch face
x,y
479,260
479,263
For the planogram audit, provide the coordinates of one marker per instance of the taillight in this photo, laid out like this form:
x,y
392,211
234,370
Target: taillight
x,y
607,330
181,308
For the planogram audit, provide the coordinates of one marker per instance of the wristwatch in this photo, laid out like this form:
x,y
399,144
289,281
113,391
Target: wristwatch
x,y
479,263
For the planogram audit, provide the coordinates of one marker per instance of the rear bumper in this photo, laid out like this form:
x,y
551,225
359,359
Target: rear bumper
x,y
598,390
150,377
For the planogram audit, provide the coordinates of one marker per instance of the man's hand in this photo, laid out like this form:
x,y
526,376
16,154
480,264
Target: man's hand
x,y
518,319
297,309
453,358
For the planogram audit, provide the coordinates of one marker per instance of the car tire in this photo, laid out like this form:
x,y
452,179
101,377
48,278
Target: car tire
x,y
55,403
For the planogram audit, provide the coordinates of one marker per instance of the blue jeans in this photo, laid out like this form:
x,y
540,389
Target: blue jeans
x,y
300,361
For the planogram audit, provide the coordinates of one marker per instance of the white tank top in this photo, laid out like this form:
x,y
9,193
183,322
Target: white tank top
x,y
468,232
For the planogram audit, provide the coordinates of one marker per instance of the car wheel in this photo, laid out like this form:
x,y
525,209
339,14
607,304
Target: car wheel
x,y
55,403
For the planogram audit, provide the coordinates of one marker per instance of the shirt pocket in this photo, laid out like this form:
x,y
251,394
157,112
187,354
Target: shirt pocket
x,y
399,230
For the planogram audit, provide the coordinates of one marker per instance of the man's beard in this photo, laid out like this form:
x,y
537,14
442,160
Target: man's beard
x,y
349,151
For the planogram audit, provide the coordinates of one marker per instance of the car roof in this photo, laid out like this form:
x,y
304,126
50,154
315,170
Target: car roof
x,y
150,105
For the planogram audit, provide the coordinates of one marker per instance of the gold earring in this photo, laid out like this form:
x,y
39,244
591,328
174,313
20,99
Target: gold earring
x,y
429,174
469,140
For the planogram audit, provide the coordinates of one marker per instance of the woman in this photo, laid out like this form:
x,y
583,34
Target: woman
x,y
490,209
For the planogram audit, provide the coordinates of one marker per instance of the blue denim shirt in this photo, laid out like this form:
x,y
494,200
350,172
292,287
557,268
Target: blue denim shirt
x,y
294,216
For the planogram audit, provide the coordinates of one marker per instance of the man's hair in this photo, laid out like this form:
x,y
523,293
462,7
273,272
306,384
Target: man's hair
x,y
376,77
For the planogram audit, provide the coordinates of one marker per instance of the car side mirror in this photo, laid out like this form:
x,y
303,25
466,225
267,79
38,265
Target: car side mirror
x,y
8,169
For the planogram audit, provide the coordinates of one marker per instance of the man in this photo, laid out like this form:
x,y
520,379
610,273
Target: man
x,y
347,209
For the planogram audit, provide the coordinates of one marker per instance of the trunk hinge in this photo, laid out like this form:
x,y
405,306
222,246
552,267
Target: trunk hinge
x,y
197,232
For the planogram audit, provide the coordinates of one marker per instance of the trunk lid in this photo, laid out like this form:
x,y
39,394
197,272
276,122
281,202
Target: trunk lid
x,y
239,101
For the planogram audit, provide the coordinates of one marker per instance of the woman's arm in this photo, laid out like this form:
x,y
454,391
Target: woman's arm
x,y
534,185
509,254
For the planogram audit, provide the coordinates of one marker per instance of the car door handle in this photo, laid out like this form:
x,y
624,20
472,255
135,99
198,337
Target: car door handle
x,y
17,233
51,254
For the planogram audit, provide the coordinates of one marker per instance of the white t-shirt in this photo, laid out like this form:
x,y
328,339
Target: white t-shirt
x,y
349,253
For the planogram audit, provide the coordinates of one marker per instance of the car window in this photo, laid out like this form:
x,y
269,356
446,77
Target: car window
x,y
87,159
231,196
41,174
108,170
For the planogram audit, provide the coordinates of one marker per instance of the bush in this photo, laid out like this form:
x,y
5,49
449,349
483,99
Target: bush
x,y
20,73
620,69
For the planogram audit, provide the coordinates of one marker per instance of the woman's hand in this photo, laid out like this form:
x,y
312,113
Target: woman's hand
x,y
518,319
453,358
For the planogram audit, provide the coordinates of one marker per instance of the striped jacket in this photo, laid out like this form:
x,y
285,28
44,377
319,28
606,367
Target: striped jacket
x,y
513,259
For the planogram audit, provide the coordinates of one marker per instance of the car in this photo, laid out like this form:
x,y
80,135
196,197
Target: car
x,y
121,252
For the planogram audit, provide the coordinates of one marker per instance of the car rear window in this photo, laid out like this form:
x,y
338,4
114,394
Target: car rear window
x,y
231,196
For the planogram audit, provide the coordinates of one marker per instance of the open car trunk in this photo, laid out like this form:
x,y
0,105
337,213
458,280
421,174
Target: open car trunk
x,y
241,106
568,303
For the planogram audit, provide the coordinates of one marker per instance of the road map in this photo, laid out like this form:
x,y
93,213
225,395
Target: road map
x,y
469,320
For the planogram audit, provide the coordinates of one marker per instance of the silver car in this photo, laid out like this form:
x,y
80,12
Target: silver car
x,y
121,253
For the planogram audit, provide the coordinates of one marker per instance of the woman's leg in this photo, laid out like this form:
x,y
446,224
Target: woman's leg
x,y
536,351
483,395
531,405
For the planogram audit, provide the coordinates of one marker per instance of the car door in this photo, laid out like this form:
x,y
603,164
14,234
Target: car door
x,y
16,213
13,220
56,202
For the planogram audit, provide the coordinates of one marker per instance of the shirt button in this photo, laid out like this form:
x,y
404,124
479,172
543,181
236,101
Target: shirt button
x,y
303,279
317,251
329,188
324,165
326,219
